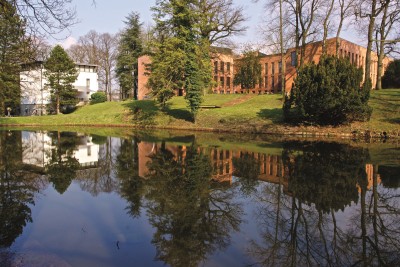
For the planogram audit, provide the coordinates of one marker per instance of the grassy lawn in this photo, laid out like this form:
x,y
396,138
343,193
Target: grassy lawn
x,y
250,113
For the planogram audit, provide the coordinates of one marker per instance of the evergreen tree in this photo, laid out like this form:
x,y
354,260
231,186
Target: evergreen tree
x,y
129,50
61,73
391,79
249,70
328,93
13,47
181,58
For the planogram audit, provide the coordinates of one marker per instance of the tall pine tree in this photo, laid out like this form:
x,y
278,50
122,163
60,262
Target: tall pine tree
x,y
129,50
181,58
13,52
61,73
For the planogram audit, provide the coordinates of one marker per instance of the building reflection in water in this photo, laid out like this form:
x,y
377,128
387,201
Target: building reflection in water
x,y
38,146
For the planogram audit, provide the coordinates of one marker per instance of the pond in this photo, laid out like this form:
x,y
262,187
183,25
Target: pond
x,y
75,199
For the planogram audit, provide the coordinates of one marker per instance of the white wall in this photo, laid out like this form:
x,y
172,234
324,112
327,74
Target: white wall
x,y
33,81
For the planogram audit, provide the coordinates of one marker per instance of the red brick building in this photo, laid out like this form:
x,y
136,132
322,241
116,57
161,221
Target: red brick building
x,y
223,62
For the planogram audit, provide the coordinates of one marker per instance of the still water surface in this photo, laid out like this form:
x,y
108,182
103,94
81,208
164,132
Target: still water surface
x,y
72,199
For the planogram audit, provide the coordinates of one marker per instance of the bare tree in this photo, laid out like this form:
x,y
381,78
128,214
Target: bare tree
x,y
388,20
346,10
327,11
46,17
367,11
98,49
219,19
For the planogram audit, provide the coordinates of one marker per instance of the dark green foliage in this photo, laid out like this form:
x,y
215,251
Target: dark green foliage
x,y
328,93
17,190
62,166
13,52
181,57
325,174
248,70
98,97
130,48
191,216
61,73
391,78
247,168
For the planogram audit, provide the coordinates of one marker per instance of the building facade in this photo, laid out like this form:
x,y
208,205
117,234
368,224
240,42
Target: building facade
x,y
35,92
224,68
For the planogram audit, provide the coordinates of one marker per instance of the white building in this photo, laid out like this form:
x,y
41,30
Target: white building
x,y
35,93
37,149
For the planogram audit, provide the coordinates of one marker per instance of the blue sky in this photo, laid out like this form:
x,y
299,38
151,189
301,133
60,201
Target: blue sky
x,y
108,16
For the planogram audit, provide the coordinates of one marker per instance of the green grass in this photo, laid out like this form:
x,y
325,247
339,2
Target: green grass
x,y
240,113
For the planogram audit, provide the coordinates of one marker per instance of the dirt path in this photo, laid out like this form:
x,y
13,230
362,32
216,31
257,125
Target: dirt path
x,y
237,101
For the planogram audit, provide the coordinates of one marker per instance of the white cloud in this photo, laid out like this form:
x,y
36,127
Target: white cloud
x,y
67,43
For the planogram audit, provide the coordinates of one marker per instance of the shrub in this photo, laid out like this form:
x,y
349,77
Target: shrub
x,y
98,97
328,93
391,78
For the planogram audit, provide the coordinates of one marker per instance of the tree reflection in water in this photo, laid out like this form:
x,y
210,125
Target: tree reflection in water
x,y
301,227
17,188
193,216
131,184
62,166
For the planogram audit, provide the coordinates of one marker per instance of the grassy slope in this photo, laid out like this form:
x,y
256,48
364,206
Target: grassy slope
x,y
238,113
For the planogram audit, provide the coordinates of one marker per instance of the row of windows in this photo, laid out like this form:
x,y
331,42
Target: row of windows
x,y
355,59
86,68
222,81
222,66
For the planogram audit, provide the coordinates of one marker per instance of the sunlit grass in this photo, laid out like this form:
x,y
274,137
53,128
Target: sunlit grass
x,y
237,112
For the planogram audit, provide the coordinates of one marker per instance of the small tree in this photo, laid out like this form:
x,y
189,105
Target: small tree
x,y
391,79
98,97
328,93
61,73
248,70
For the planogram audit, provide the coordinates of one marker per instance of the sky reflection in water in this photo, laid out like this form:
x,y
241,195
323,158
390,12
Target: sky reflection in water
x,y
70,199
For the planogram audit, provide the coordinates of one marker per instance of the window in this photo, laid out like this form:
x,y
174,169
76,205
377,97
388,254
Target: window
x,y
273,68
266,68
222,66
87,83
215,67
228,82
221,82
280,66
293,57
273,83
266,82
228,66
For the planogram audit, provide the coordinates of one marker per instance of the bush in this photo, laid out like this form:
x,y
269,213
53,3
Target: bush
x,y
328,93
391,78
98,97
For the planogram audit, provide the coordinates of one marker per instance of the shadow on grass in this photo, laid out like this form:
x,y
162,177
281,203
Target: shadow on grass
x,y
393,120
275,115
143,112
180,114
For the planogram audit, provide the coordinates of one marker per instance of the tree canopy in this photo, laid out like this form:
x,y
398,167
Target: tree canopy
x,y
130,48
328,93
14,47
61,73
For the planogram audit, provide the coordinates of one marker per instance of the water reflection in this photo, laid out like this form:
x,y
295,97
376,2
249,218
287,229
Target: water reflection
x,y
193,217
17,189
295,203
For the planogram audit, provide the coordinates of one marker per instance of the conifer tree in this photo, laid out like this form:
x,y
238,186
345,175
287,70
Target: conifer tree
x,y
181,59
129,50
61,73
13,47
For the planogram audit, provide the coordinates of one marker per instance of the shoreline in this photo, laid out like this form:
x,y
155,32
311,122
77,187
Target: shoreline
x,y
276,130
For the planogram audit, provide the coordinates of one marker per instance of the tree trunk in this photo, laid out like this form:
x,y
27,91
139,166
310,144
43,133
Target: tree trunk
x,y
326,20
370,40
